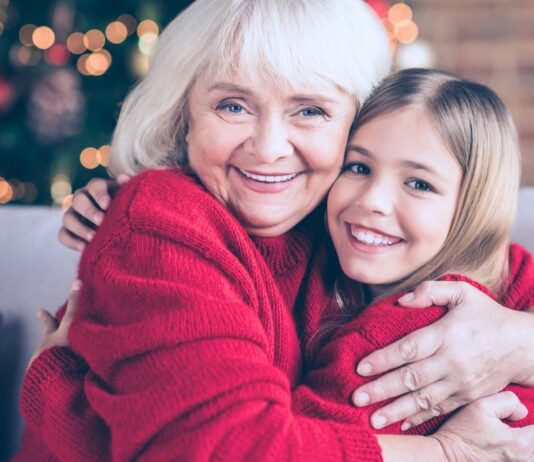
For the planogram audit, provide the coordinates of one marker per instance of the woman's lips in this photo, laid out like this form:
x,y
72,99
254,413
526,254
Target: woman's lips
x,y
267,183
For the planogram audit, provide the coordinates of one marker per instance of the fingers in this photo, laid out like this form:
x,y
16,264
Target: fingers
x,y
123,179
445,407
98,190
84,207
442,293
504,405
48,322
70,241
72,302
77,227
400,381
414,347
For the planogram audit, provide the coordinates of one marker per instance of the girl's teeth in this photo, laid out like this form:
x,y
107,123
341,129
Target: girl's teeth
x,y
268,178
371,239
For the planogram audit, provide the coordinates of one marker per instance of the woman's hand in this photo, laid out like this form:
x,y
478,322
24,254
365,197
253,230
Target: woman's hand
x,y
475,350
477,433
87,211
54,334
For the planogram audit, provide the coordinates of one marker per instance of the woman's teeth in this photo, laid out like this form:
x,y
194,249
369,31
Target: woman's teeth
x,y
267,178
372,239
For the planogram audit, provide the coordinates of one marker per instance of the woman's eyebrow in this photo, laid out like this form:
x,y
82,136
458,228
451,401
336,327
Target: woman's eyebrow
x,y
225,86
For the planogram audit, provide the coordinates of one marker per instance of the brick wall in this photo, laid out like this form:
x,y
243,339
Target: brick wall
x,y
490,41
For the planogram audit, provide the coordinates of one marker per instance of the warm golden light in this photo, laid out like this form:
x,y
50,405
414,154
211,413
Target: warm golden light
x,y
407,33
140,64
43,37
400,12
89,158
6,191
75,43
103,155
94,40
129,21
81,64
67,202
116,32
98,62
147,41
25,34
147,26
61,187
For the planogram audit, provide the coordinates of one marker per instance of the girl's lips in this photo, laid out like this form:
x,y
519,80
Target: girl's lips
x,y
371,241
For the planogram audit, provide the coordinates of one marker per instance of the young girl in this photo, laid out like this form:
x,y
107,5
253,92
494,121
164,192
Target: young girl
x,y
434,199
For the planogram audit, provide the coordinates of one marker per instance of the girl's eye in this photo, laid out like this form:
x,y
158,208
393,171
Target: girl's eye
x,y
420,185
357,168
312,112
230,107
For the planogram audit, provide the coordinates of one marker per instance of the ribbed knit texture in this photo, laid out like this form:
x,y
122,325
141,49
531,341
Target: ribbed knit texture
x,y
330,383
187,329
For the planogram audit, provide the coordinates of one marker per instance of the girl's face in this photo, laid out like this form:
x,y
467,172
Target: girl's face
x,y
390,210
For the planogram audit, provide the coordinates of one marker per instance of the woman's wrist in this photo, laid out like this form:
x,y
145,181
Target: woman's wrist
x,y
411,448
525,336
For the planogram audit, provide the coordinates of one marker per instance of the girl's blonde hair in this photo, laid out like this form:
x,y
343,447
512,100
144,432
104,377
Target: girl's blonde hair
x,y
293,41
479,132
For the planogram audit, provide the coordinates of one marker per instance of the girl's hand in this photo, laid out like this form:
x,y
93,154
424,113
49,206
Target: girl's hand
x,y
475,350
477,433
54,334
87,211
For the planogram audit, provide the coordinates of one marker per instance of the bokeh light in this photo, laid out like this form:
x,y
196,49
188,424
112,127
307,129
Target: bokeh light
x,y
147,26
129,21
57,55
67,202
147,41
43,37
25,34
116,32
89,158
103,154
94,40
75,43
6,191
61,187
400,12
407,33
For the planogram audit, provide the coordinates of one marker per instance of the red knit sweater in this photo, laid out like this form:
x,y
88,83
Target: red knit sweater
x,y
192,351
332,379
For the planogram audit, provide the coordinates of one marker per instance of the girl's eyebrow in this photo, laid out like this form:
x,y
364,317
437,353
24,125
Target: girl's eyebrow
x,y
409,163
359,149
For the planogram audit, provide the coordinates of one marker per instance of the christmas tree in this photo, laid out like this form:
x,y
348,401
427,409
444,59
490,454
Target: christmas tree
x,y
65,68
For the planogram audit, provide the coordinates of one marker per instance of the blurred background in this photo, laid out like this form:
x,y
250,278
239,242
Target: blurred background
x,y
66,65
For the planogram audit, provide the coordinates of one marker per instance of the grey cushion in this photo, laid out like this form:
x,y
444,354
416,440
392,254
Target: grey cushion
x,y
36,272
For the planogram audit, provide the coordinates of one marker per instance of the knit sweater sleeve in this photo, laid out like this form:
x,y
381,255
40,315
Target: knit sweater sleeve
x,y
329,384
185,343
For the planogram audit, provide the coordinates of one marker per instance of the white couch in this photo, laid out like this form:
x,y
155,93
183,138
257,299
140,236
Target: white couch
x,y
36,271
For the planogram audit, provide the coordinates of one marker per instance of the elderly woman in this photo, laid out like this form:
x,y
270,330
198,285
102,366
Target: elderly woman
x,y
195,303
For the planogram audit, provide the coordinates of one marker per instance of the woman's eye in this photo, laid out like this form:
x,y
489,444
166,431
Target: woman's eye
x,y
232,108
312,112
357,168
420,185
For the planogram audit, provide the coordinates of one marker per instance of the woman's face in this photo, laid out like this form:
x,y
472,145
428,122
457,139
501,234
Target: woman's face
x,y
267,152
390,211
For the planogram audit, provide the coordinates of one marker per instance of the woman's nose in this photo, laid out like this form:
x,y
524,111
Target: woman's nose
x,y
270,140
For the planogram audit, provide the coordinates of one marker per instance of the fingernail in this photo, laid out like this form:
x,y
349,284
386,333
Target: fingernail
x,y
76,285
406,298
379,421
364,369
98,218
89,236
103,202
361,398
405,426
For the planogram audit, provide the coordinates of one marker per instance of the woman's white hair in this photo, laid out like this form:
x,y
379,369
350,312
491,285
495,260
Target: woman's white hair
x,y
296,42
